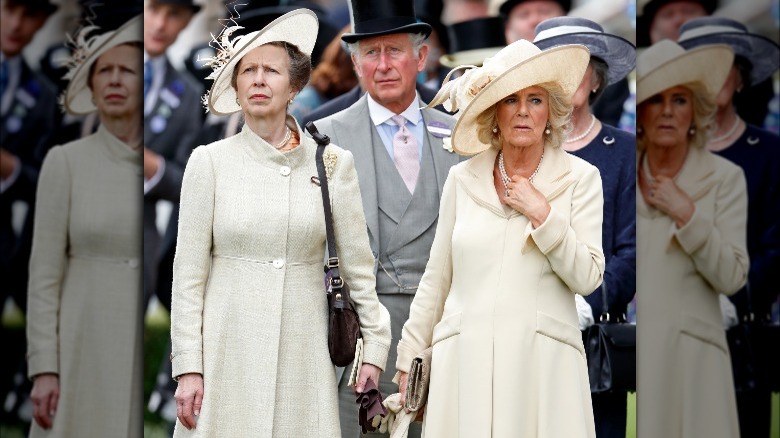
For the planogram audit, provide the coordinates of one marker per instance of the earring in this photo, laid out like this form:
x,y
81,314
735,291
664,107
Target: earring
x,y
237,103
692,131
594,90
289,102
495,130
547,131
639,130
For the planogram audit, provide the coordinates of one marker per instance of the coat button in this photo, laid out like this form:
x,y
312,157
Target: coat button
x,y
278,264
284,170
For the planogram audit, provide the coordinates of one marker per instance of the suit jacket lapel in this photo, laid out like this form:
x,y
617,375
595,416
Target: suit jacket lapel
x,y
149,134
363,153
442,158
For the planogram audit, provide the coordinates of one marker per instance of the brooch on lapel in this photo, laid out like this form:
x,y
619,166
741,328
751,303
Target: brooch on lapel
x,y
329,159
170,98
442,131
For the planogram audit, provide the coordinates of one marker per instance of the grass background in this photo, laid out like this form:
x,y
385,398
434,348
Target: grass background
x,y
155,343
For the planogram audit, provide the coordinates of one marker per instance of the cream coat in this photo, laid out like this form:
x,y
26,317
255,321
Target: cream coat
x,y
497,304
684,380
249,309
83,312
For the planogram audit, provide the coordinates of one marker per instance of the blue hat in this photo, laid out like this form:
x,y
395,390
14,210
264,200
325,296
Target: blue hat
x,y
618,53
762,53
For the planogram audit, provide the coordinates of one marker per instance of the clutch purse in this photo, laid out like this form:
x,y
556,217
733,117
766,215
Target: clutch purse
x,y
417,383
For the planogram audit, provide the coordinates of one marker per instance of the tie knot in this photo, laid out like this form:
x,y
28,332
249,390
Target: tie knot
x,y
399,120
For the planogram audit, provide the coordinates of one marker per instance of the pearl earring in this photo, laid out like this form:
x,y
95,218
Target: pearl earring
x,y
692,131
547,131
237,103
495,129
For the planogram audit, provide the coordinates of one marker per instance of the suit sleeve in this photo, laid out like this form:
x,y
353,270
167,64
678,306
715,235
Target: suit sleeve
x,y
357,265
428,303
717,244
192,264
573,244
47,264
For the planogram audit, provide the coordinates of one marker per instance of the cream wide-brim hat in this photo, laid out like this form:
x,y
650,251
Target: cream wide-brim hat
x,y
515,67
298,27
666,64
468,57
77,99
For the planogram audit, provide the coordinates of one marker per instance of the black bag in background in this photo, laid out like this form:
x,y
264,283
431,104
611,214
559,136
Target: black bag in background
x,y
343,321
610,350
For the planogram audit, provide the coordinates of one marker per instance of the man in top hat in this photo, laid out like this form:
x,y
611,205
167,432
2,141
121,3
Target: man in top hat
x,y
522,16
401,162
28,114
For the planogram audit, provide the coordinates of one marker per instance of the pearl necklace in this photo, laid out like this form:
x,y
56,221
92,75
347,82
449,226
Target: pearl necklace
x,y
284,140
505,178
728,134
584,134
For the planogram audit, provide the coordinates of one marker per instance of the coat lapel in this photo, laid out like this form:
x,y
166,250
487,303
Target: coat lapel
x,y
363,153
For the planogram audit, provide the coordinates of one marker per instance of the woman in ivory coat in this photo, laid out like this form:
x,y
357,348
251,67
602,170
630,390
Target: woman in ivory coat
x,y
249,313
691,245
519,234
83,312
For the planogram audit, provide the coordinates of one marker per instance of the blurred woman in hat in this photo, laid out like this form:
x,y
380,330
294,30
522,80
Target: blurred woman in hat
x,y
519,234
612,151
83,325
755,151
249,317
691,226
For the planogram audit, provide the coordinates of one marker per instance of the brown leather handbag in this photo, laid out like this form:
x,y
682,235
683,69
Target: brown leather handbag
x,y
343,321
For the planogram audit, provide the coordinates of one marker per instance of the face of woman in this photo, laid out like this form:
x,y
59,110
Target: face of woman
x,y
116,82
667,117
263,81
582,94
522,117
732,84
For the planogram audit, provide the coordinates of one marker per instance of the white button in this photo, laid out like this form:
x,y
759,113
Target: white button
x,y
133,263
284,170
278,264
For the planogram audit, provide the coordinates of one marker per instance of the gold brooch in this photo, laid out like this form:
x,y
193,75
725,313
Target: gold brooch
x,y
329,159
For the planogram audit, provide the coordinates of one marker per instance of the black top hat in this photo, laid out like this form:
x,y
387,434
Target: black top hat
x,y
507,6
45,6
372,18
188,3
109,15
467,38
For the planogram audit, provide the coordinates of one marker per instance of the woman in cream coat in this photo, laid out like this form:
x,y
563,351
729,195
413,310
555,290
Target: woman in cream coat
x,y
83,313
249,314
691,246
497,298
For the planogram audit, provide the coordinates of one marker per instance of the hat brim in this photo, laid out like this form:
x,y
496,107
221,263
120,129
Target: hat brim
x,y
617,52
763,53
562,64
468,57
709,65
298,27
423,28
78,97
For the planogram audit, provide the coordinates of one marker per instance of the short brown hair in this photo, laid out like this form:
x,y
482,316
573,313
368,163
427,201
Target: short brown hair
x,y
300,66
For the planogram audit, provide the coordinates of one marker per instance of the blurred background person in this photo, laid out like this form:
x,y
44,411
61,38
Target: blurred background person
x,y
28,117
83,316
472,41
691,226
522,16
756,151
613,152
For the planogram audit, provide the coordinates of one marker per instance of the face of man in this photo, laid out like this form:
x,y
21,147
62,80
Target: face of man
x,y
669,17
162,24
524,17
18,25
388,67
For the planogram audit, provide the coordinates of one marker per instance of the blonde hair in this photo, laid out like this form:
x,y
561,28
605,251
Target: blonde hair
x,y
704,108
559,112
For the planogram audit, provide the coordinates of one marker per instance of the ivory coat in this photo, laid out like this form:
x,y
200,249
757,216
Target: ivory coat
x,y
497,304
684,380
84,308
249,309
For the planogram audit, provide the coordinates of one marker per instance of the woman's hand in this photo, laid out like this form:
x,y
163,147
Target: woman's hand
x,y
403,378
667,197
524,198
367,371
189,397
45,395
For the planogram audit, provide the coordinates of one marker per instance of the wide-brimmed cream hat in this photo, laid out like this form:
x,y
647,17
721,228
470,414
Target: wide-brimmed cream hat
x,y
77,98
515,67
298,27
666,64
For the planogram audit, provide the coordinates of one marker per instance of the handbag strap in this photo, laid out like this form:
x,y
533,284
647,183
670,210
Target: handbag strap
x,y
333,259
604,308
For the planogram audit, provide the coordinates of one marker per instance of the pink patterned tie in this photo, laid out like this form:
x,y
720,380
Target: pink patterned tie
x,y
407,157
